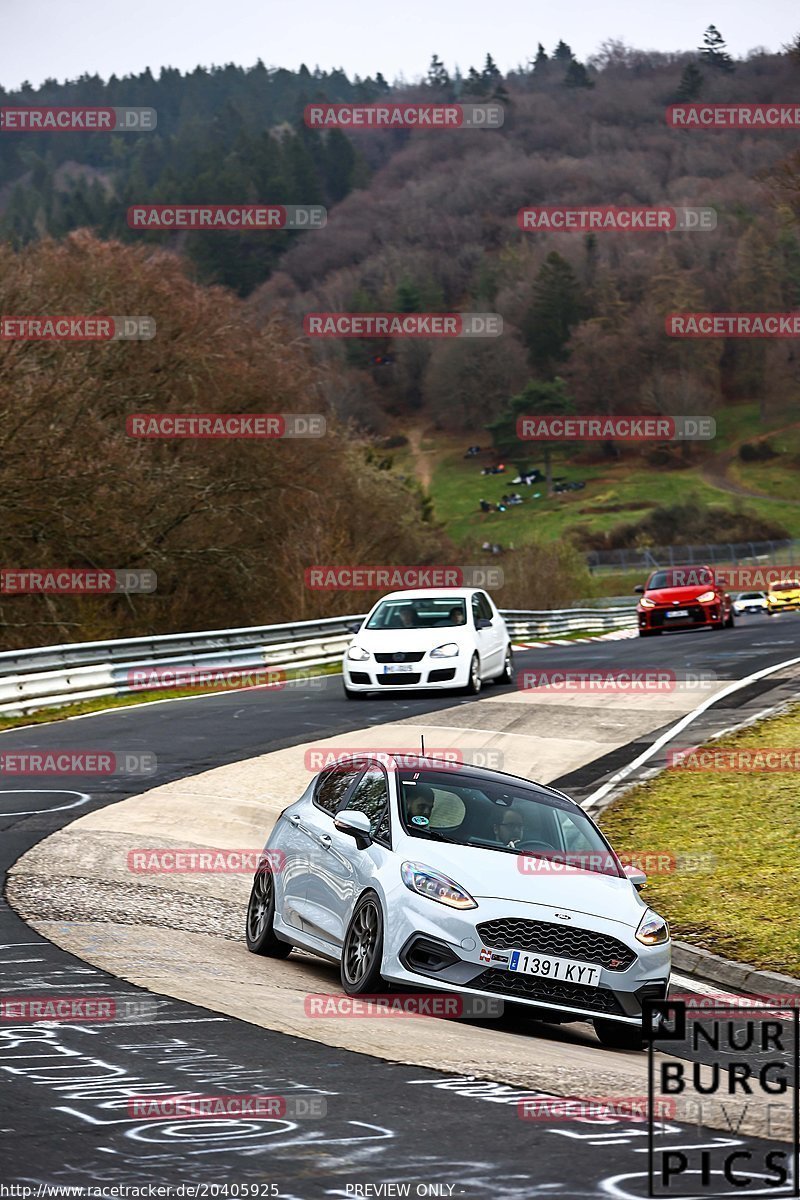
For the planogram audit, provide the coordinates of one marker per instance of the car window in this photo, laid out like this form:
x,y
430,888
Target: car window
x,y
575,837
501,814
371,796
434,613
332,785
485,607
439,807
680,577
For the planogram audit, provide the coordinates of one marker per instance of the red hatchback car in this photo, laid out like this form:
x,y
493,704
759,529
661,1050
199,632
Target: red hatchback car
x,y
683,598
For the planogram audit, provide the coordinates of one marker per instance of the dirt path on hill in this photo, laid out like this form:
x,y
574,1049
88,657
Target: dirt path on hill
x,y
422,458
715,472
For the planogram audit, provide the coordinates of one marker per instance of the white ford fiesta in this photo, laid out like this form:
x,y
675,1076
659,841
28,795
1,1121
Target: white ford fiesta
x,y
415,873
444,638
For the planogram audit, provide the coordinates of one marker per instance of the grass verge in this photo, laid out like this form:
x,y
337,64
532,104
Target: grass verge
x,y
745,904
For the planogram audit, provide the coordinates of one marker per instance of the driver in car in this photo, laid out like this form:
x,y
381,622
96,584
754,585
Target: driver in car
x,y
418,798
509,830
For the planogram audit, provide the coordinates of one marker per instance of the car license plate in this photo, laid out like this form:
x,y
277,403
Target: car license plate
x,y
398,669
679,612
548,967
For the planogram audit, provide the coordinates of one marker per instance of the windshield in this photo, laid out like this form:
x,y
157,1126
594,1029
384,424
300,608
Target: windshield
x,y
506,816
681,577
786,585
443,613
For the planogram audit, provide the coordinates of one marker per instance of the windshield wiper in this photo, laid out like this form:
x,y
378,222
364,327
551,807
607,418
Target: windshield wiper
x,y
439,837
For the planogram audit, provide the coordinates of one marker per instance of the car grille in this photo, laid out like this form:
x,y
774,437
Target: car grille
x,y
511,933
695,611
407,656
397,680
527,987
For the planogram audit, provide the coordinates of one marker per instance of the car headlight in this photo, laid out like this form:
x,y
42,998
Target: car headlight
x,y
645,603
653,929
706,597
357,653
427,882
449,650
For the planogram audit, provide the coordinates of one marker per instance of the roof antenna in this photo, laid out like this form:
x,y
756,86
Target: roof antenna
x,y
422,743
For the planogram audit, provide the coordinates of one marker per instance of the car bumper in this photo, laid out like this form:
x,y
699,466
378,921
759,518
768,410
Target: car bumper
x,y
428,673
789,605
698,616
442,950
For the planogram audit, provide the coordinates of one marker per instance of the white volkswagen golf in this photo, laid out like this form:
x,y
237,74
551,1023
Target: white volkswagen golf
x,y
447,638
406,871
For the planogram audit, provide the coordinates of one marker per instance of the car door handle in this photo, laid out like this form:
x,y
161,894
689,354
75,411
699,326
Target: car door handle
x,y
294,819
325,841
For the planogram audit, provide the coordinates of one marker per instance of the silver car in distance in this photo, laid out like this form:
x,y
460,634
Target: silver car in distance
x,y
428,875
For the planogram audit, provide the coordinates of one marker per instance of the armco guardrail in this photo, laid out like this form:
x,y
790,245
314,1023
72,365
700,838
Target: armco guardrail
x,y
52,676
525,625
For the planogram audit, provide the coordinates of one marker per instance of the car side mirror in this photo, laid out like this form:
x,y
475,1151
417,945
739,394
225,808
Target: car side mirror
x,y
356,825
639,589
637,877
352,626
483,623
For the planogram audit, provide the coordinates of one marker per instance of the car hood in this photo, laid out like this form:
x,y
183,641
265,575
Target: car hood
x,y
387,641
491,874
684,595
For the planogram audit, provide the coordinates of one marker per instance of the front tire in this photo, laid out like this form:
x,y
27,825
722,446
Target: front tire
x,y
474,682
618,1037
259,928
350,694
362,949
507,673
730,622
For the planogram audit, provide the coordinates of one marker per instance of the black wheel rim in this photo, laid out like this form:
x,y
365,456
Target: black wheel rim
x,y
361,944
260,907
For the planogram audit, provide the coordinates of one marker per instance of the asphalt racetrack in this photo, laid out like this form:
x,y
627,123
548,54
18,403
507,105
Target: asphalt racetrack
x,y
420,1101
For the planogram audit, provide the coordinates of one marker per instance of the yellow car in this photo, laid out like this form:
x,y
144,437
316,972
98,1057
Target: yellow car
x,y
783,596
